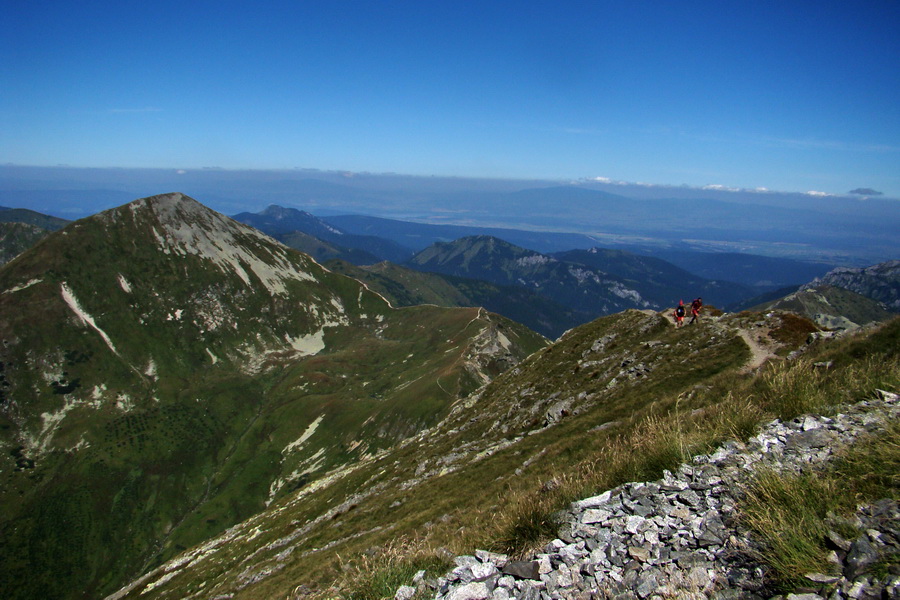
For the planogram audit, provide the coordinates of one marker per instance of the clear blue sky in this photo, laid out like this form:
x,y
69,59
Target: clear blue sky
x,y
786,95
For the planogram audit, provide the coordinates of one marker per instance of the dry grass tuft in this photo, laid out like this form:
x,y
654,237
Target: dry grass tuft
x,y
379,572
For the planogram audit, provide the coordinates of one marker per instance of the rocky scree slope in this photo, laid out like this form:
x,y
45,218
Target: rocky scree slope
x,y
166,372
680,537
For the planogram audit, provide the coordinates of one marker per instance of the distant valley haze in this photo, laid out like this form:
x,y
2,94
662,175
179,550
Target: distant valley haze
x,y
849,230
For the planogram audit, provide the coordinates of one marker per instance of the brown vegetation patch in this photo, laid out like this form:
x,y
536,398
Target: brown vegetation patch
x,y
793,330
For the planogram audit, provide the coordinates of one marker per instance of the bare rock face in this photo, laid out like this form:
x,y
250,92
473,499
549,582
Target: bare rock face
x,y
879,282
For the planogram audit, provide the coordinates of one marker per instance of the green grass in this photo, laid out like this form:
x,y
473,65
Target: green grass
x,y
692,402
789,512
694,398
678,427
379,573
203,439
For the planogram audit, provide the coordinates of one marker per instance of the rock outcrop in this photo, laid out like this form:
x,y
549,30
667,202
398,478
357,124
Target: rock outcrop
x,y
879,282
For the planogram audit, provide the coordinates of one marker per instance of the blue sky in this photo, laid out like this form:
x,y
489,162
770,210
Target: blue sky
x,y
789,96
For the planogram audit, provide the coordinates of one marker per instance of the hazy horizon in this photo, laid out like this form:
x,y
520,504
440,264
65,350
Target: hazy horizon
x,y
851,230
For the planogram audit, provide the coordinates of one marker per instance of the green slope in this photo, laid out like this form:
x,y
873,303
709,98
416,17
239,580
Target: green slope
x,y
408,287
15,238
831,307
167,372
529,424
615,400
30,217
577,286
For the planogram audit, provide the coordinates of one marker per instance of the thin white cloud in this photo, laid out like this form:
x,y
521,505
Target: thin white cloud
x,y
829,145
146,109
709,187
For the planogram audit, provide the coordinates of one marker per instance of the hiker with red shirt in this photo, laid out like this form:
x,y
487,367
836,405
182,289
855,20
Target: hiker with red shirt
x,y
679,314
696,305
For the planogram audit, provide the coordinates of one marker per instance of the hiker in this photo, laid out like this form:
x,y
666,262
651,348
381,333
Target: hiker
x,y
696,305
679,314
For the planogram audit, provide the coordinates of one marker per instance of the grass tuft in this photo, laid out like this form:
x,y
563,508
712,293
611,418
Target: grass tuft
x,y
378,573
688,417
789,512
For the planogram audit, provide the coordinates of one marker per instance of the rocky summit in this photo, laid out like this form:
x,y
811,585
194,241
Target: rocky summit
x,y
678,537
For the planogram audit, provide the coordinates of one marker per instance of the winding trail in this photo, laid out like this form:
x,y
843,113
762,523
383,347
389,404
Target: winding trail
x,y
758,352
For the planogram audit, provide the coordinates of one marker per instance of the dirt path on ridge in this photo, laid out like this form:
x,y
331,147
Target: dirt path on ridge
x,y
760,351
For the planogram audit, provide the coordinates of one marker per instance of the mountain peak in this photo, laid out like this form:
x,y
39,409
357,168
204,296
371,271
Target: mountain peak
x,y
164,202
182,226
281,212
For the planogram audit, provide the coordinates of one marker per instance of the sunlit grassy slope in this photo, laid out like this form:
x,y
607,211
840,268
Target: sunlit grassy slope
x,y
616,400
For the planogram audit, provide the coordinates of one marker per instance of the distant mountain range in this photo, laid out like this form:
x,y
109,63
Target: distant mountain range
x,y
730,280
835,230
281,223
762,272
594,282
579,285
403,286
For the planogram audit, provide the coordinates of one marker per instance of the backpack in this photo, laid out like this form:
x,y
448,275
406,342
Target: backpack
x,y
679,312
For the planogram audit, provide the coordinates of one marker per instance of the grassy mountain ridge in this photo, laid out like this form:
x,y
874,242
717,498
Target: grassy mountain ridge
x,y
20,229
615,400
655,277
448,479
594,282
324,251
15,238
405,287
30,217
168,372
831,307
879,282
